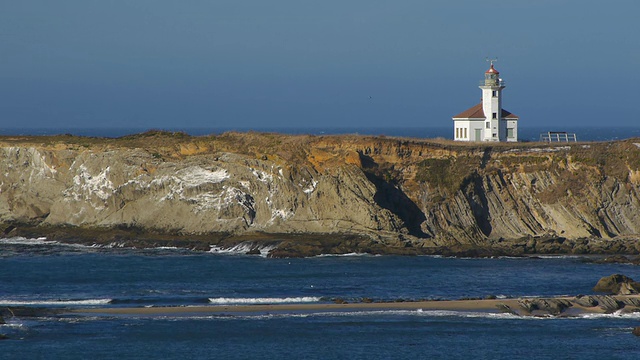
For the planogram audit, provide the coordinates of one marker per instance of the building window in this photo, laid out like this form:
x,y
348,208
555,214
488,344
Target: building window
x,y
457,133
495,135
495,116
465,133
487,125
494,93
510,133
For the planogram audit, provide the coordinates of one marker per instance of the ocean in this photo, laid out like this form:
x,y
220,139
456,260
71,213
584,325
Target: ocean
x,y
41,273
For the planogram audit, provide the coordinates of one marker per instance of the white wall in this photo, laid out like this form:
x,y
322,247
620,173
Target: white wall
x,y
514,125
471,126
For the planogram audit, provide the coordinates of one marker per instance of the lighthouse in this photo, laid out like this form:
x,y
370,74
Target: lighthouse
x,y
487,121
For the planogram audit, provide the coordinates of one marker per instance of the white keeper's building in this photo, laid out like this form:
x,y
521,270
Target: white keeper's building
x,y
487,121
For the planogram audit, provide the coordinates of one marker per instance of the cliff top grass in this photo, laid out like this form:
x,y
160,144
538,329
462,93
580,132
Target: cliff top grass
x,y
161,138
441,162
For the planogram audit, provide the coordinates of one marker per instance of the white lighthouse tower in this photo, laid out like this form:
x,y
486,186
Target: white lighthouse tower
x,y
487,121
492,105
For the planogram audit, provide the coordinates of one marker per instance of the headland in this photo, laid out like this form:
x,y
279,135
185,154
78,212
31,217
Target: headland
x,y
304,195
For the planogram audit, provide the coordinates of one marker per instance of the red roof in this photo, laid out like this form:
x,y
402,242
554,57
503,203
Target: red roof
x,y
476,112
472,113
492,70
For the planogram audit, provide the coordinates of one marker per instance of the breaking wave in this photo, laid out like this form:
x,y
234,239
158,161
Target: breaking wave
x,y
244,248
345,255
18,240
243,301
430,314
54,302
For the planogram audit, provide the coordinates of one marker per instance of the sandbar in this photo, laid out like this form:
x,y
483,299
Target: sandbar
x,y
512,305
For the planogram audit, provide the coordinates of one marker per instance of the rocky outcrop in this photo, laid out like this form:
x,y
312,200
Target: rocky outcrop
x,y
545,306
617,284
609,304
618,259
631,301
413,196
586,300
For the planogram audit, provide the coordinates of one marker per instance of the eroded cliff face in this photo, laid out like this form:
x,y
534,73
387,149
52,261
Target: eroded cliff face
x,y
394,191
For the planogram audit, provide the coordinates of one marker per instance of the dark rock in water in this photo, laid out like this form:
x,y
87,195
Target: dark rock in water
x,y
636,331
367,300
629,288
527,305
2,320
504,308
27,311
608,303
586,301
617,284
614,259
550,306
340,301
556,306
3,337
618,259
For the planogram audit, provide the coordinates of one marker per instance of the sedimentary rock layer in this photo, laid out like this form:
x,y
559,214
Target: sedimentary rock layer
x,y
527,197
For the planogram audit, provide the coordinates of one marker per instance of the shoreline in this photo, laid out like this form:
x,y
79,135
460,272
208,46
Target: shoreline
x,y
558,306
302,245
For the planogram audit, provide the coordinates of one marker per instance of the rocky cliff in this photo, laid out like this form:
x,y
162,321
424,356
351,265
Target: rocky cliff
x,y
371,192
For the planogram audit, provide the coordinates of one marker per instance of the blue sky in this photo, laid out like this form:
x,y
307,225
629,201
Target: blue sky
x,y
301,63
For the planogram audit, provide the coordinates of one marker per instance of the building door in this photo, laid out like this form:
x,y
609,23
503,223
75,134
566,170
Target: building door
x,y
478,135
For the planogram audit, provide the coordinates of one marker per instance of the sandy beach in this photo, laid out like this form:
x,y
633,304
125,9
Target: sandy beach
x,y
489,305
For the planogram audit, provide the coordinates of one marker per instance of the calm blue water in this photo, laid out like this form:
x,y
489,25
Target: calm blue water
x,y
36,273
525,133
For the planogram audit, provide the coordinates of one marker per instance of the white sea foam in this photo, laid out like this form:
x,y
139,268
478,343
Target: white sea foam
x,y
4,302
430,313
620,314
42,241
377,313
25,241
237,301
344,255
243,248
382,313
13,325
559,256
438,314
